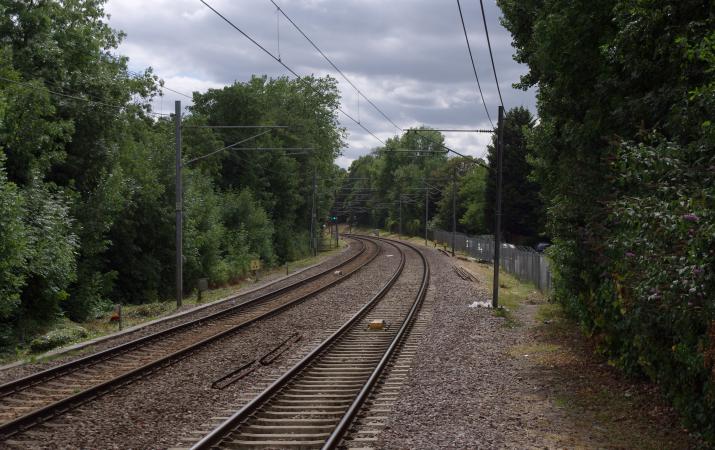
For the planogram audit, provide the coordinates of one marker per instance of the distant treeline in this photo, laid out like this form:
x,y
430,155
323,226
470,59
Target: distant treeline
x,y
625,156
389,186
87,172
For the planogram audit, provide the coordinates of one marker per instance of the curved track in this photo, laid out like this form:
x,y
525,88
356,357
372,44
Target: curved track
x,y
36,398
314,403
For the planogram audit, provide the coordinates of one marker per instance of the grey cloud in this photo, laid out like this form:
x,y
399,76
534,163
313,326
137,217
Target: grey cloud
x,y
408,56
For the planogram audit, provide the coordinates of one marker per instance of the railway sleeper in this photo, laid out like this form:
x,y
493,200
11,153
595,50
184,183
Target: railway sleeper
x,y
286,437
285,429
246,444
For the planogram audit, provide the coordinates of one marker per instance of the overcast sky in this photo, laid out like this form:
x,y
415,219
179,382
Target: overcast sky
x,y
408,56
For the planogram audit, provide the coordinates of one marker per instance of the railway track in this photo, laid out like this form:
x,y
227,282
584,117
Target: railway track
x,y
314,404
34,399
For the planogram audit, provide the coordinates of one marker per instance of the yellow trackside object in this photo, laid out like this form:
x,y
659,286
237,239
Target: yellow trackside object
x,y
376,325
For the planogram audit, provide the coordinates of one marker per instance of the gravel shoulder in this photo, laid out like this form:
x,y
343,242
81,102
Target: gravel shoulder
x,y
527,380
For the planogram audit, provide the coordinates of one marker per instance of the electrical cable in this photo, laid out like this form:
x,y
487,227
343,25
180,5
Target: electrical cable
x,y
137,74
278,32
476,161
293,72
315,46
176,92
227,147
474,66
489,44
75,96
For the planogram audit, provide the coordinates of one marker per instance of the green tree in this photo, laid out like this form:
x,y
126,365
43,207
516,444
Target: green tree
x,y
141,254
51,262
13,251
625,98
458,176
472,193
375,184
68,97
522,211
281,183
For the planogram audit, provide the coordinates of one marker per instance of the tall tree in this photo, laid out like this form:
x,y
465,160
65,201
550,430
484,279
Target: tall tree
x,y
282,183
522,211
623,153
69,95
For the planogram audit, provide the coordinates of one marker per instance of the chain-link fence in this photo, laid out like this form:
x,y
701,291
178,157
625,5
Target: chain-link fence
x,y
523,262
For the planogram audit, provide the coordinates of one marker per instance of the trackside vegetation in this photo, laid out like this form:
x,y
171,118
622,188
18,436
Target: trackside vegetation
x,y
87,173
625,156
388,186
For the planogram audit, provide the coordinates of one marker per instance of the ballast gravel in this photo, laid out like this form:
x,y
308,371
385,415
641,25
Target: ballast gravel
x,y
467,390
268,284
158,411
453,395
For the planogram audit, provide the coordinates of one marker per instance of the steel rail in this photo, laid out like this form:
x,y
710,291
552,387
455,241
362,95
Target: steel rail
x,y
217,434
339,432
43,414
238,418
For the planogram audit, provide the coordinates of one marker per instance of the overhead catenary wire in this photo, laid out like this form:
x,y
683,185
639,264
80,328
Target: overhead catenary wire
x,y
76,96
293,72
161,86
474,65
361,94
226,147
278,32
176,92
315,46
491,55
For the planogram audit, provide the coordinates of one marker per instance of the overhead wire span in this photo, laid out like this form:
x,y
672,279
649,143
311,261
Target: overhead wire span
x,y
278,31
293,72
474,65
226,147
315,46
136,74
491,55
176,92
75,96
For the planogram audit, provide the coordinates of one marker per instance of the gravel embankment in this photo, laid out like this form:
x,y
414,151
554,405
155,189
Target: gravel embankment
x,y
157,411
267,284
477,383
461,375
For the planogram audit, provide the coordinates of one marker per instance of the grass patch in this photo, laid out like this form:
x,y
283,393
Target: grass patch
x,y
512,292
600,407
549,312
539,351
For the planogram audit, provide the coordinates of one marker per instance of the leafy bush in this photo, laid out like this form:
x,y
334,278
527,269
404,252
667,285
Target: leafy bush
x,y
624,155
663,284
13,246
57,338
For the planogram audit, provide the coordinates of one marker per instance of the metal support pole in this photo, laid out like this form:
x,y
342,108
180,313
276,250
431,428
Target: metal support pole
x,y
454,207
179,208
426,211
313,224
337,243
497,215
400,226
